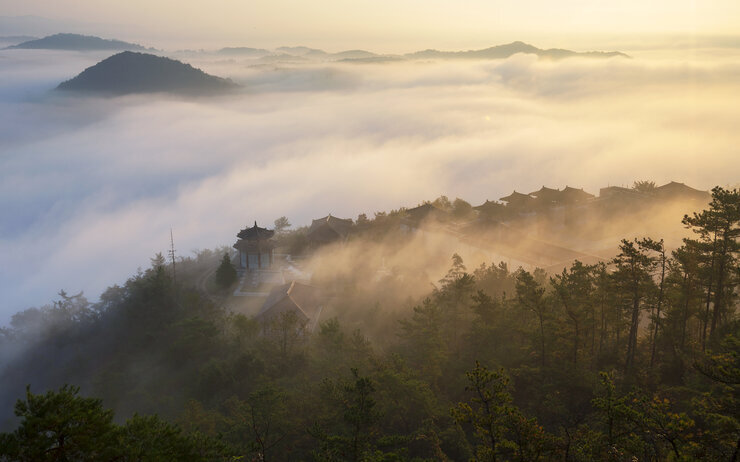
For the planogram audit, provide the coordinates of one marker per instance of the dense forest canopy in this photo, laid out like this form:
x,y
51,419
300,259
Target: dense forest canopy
x,y
636,358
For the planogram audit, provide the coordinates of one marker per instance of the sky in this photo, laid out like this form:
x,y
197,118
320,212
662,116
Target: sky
x,y
388,26
90,188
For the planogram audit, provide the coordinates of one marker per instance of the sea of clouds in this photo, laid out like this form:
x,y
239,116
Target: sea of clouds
x,y
90,187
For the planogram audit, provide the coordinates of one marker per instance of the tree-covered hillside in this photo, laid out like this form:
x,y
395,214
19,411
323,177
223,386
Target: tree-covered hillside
x,y
637,358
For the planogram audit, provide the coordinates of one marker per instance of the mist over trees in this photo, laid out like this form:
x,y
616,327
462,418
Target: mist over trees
x,y
635,358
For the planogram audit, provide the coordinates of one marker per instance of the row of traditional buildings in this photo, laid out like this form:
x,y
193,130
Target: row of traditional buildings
x,y
571,205
255,244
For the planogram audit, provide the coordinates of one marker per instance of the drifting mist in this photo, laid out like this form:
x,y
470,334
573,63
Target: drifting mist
x,y
89,188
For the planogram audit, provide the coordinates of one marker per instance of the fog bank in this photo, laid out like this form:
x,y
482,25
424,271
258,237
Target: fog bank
x,y
89,188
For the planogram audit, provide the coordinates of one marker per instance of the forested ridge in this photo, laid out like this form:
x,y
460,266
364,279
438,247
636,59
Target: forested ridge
x,y
637,358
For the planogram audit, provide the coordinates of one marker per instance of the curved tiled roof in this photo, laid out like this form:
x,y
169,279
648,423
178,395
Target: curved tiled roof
x,y
302,298
516,197
341,226
255,233
576,194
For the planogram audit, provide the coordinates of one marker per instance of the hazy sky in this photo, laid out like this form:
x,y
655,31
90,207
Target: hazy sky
x,y
391,25
89,188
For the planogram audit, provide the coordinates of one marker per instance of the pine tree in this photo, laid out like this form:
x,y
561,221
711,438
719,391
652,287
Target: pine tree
x,y
633,277
487,410
226,273
531,296
573,289
718,230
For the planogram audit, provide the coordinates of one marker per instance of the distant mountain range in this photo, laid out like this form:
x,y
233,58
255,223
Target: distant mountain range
x,y
354,54
131,72
509,49
296,54
301,53
244,51
77,42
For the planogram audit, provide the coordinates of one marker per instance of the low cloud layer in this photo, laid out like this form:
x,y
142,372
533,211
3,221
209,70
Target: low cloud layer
x,y
89,188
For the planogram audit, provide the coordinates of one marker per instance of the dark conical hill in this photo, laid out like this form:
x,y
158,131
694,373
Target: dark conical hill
x,y
131,72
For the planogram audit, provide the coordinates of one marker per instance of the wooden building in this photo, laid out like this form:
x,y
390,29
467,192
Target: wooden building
x,y
575,195
620,193
424,213
255,248
302,299
546,197
491,210
329,229
675,190
519,201
549,197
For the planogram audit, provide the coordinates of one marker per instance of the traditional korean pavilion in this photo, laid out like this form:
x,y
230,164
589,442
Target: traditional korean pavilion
x,y
255,248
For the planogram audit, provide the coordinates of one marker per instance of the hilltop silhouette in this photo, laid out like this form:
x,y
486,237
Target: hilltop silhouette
x,y
131,72
244,51
509,49
77,42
